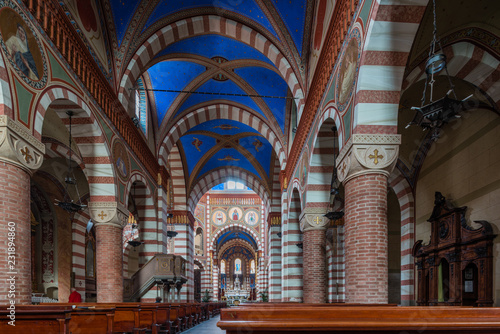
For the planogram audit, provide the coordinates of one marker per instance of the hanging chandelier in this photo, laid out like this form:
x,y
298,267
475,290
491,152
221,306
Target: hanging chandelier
x,y
68,204
433,114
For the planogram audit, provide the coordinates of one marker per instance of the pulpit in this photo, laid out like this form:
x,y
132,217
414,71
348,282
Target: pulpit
x,y
456,267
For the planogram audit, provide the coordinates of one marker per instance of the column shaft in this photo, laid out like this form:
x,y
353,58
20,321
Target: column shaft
x,y
109,263
366,239
314,252
15,235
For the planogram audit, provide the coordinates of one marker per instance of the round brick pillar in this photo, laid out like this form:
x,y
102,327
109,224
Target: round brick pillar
x,y
109,263
15,258
366,239
314,253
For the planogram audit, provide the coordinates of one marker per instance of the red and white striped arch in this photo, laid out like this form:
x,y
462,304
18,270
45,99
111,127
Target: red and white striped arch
x,y
55,149
5,95
468,62
404,193
178,181
202,25
88,136
235,242
391,30
220,111
234,227
222,175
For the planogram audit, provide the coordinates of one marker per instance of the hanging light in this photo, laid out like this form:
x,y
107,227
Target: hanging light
x,y
70,179
436,113
334,186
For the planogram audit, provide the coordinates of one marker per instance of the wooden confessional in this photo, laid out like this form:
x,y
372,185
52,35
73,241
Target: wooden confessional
x,y
456,267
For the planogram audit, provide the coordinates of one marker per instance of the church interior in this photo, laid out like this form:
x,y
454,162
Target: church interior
x,y
250,151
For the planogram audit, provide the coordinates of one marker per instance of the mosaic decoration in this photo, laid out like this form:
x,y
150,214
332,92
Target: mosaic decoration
x,y
219,217
22,46
235,213
252,217
121,159
346,78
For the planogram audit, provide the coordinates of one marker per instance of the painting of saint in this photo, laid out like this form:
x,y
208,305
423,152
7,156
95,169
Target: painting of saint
x,y
251,217
347,71
219,217
235,215
21,45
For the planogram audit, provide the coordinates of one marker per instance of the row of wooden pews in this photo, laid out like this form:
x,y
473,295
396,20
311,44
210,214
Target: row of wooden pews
x,y
106,318
266,318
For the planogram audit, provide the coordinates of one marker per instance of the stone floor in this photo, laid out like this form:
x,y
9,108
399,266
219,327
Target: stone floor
x,y
206,327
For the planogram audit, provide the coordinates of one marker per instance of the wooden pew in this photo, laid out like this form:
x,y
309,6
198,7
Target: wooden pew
x,y
163,318
361,319
90,320
36,319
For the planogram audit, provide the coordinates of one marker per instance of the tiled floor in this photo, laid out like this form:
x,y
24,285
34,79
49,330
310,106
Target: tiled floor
x,y
206,327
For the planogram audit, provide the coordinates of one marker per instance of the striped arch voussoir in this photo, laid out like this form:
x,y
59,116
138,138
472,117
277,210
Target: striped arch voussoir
x,y
234,227
202,25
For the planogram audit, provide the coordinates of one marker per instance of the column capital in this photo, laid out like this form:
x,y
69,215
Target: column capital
x,y
313,219
367,154
108,213
18,146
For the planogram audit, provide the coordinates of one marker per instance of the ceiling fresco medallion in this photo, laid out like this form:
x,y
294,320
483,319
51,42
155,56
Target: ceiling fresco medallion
x,y
219,217
252,217
346,78
22,46
235,213
121,160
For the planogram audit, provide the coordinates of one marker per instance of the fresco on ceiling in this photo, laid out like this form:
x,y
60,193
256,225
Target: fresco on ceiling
x,y
123,11
293,14
121,159
86,17
22,47
322,17
247,8
170,75
210,46
348,70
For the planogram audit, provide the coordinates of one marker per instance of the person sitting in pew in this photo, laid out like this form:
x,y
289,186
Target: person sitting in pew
x,y
158,300
74,297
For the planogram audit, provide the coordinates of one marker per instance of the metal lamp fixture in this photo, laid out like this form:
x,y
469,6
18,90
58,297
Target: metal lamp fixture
x,y
68,204
436,113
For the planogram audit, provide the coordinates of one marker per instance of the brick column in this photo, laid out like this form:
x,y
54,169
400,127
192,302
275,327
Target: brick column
x,y
109,250
364,166
313,225
20,153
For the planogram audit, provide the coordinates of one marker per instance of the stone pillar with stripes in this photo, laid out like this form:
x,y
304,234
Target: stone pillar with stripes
x,y
79,227
20,153
109,223
274,252
313,224
364,166
183,223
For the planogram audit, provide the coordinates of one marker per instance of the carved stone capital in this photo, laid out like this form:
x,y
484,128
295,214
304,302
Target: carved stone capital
x,y
366,154
18,146
108,213
313,219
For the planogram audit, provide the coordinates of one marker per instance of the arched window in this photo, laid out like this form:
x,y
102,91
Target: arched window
x,y
222,267
252,267
140,106
237,266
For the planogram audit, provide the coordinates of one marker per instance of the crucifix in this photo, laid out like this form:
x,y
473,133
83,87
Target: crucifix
x,y
102,215
317,220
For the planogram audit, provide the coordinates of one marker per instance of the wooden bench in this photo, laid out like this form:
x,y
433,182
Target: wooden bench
x,y
36,319
361,319
163,318
90,320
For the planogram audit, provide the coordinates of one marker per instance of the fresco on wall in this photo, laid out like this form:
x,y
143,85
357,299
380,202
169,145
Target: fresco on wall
x,y
252,217
85,15
323,14
235,213
219,217
22,47
348,70
121,160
